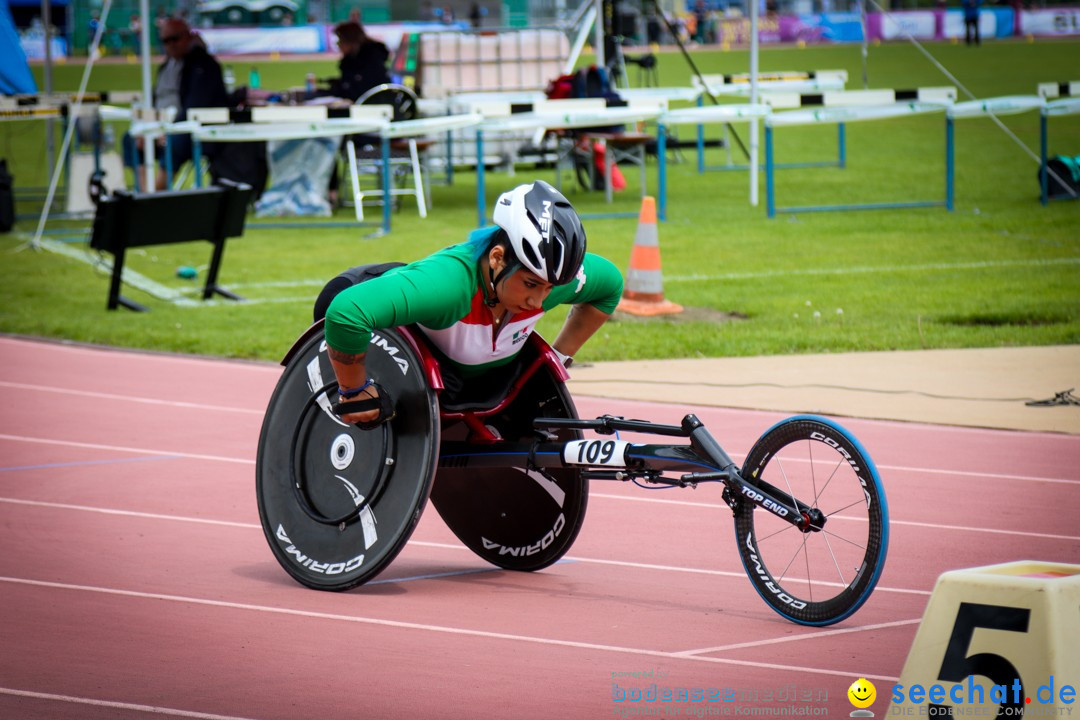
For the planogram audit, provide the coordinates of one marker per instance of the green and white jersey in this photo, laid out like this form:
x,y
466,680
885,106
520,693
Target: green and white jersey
x,y
442,295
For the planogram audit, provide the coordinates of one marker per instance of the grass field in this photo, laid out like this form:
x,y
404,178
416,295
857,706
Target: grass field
x,y
1000,270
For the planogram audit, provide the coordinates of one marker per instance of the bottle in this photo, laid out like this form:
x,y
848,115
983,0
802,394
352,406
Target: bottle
x,y
253,78
309,83
230,79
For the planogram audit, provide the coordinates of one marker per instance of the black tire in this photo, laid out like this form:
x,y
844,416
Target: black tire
x,y
338,503
513,518
814,578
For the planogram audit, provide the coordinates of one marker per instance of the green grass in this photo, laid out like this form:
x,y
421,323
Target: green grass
x,y
1001,270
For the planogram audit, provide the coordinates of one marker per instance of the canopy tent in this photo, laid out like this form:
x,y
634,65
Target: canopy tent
x,y
15,74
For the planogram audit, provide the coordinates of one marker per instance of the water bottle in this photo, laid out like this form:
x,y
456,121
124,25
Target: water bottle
x,y
253,79
309,83
230,79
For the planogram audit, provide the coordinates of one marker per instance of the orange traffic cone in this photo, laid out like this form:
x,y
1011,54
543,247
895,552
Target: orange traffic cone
x,y
644,292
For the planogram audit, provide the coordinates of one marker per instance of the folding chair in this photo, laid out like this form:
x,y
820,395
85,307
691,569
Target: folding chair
x,y
404,154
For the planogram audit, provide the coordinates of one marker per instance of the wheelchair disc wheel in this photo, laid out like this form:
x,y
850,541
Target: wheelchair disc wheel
x,y
338,503
815,577
516,518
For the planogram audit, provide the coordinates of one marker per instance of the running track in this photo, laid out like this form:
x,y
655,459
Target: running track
x,y
135,579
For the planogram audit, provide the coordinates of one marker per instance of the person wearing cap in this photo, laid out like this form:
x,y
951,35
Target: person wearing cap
x,y
475,302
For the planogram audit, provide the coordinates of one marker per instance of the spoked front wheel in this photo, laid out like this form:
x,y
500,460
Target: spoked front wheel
x,y
820,576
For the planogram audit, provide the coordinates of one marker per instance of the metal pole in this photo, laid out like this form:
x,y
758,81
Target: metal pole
x,y
950,166
862,20
1044,182
50,141
770,192
147,91
599,33
661,152
753,101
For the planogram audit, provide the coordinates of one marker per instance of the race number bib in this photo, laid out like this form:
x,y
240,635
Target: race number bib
x,y
596,452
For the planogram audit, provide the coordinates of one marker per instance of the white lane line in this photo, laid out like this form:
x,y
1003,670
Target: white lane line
x,y
442,629
128,513
897,468
132,398
153,710
900,469
795,638
982,475
909,523
418,543
48,345
123,448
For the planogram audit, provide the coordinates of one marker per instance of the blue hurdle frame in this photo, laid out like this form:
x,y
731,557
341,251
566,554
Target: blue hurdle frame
x,y
770,188
840,162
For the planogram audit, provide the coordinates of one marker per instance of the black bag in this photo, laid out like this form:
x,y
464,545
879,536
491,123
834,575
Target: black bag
x,y
1066,168
242,162
7,199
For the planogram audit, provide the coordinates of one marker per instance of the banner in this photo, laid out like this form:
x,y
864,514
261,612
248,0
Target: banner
x,y
919,24
821,27
263,40
737,31
1052,21
33,46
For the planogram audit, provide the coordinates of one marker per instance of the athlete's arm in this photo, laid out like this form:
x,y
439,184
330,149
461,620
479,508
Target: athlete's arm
x,y
581,323
350,372
430,291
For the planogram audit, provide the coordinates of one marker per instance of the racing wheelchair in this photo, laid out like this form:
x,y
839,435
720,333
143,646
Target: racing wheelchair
x,y
509,474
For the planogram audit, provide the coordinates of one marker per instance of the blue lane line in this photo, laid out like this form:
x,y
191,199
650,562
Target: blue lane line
x,y
90,462
452,573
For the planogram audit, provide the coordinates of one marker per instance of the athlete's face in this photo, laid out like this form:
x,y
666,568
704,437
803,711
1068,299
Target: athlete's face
x,y
523,292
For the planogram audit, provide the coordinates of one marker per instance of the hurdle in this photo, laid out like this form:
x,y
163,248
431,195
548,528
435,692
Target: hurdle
x,y
841,107
1006,105
786,83
726,114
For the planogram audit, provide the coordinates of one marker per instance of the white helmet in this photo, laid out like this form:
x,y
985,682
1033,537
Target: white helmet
x,y
545,232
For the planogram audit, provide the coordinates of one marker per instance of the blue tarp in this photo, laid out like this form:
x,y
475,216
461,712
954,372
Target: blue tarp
x,y
15,74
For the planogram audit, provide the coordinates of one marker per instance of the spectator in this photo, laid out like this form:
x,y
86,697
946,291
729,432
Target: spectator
x,y
475,15
363,62
189,78
701,21
971,21
135,28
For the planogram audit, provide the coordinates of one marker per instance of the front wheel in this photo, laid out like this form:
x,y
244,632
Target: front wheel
x,y
818,577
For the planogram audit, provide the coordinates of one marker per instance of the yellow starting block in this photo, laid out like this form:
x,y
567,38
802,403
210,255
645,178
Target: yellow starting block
x,y
1001,640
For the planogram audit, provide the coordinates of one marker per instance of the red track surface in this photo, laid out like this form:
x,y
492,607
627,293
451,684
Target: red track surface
x,y
134,577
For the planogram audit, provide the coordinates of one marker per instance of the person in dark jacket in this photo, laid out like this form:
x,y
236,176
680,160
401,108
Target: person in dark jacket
x,y
362,64
189,78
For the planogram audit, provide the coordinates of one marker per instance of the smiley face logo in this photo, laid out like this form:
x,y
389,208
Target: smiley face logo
x,y
862,693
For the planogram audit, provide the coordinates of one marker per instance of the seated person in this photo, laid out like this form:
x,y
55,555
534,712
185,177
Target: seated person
x,y
362,67
363,62
189,78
